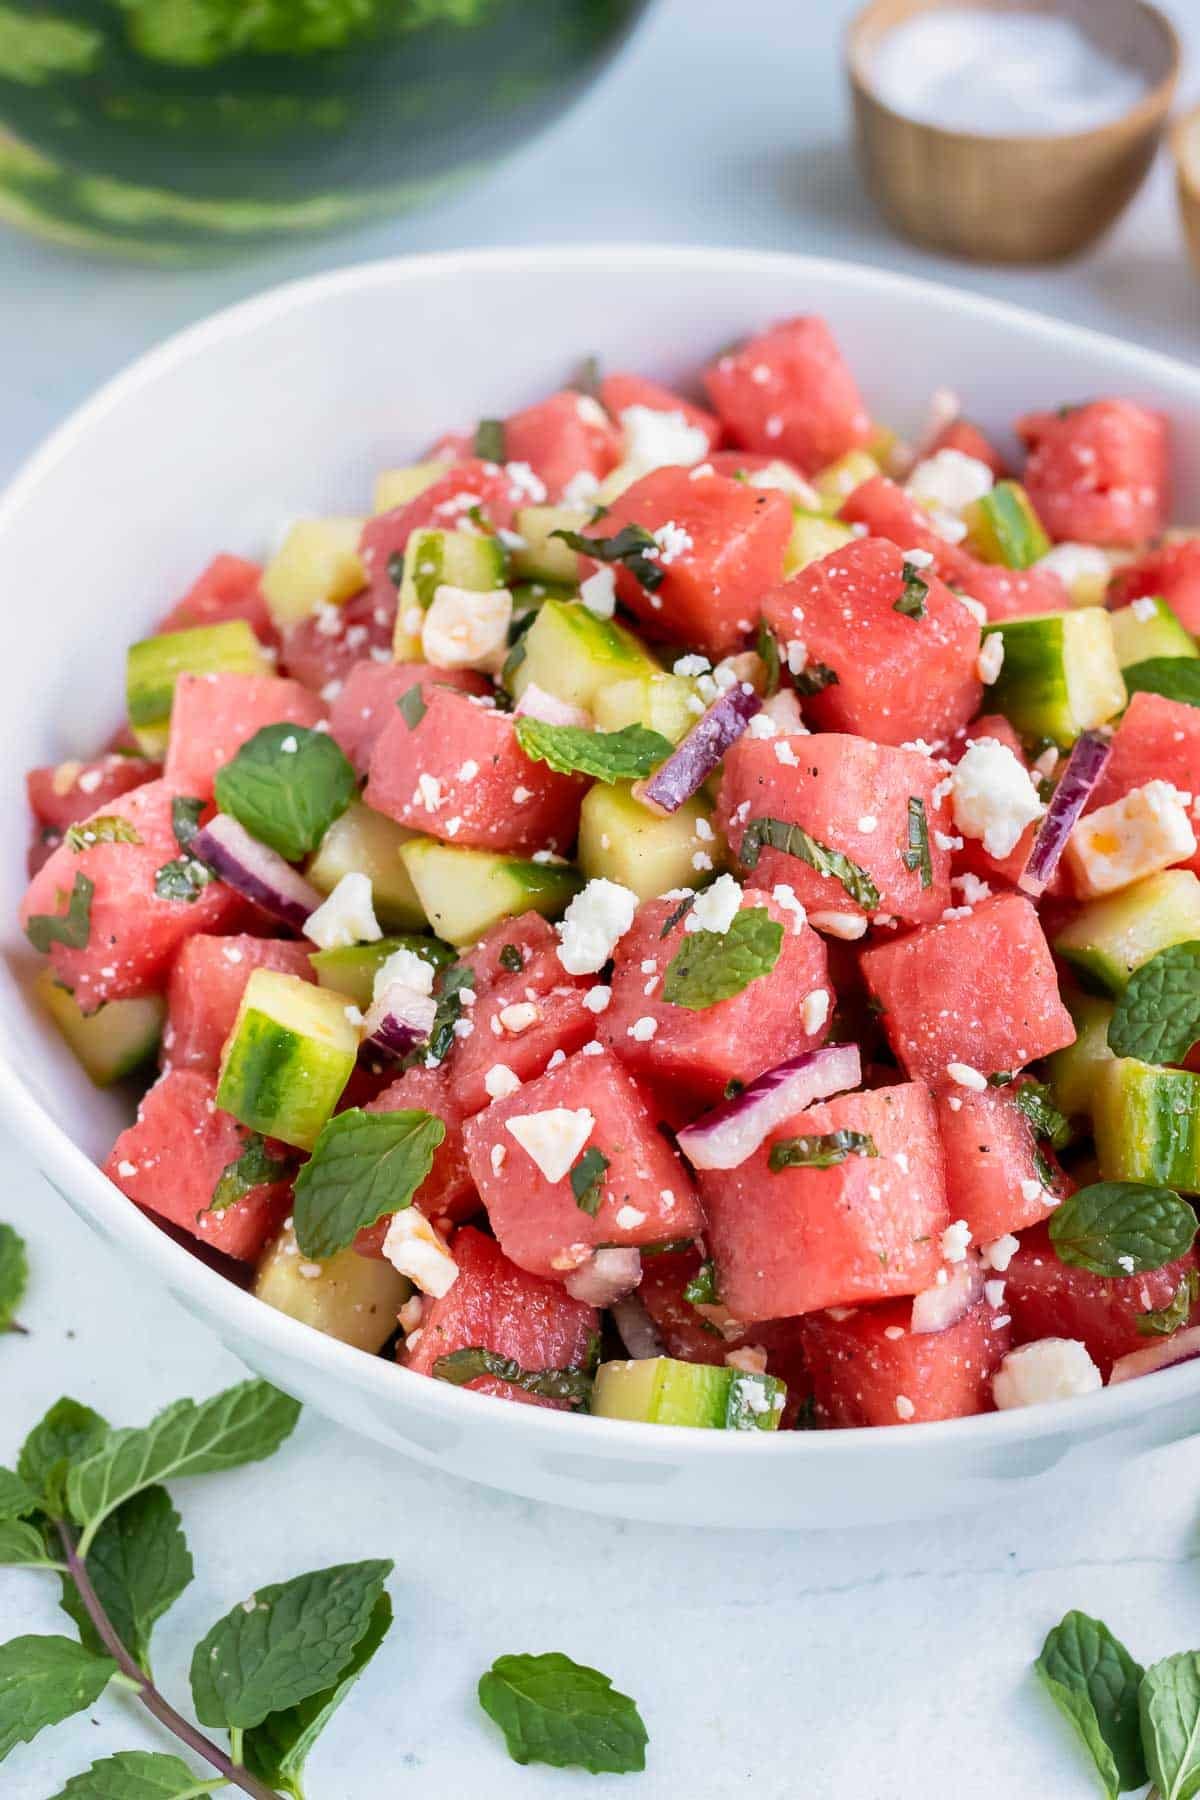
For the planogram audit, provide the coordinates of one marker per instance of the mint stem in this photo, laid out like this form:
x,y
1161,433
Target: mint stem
x,y
148,1694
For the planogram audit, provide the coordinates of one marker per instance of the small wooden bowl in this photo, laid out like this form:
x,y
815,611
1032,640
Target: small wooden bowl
x,y
1019,198
1185,141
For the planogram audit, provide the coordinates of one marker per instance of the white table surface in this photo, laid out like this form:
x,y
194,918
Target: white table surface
x,y
887,1665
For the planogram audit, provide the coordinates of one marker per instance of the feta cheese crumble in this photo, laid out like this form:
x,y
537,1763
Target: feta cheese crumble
x,y
993,797
656,439
415,1249
1147,830
500,1082
465,629
949,480
553,1139
955,1241
407,967
597,918
716,908
1049,1369
346,917
599,593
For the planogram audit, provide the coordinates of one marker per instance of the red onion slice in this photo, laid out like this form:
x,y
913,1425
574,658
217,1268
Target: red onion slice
x,y
938,1307
400,1019
536,703
694,759
255,870
637,1329
733,1131
1183,1347
1085,765
607,1276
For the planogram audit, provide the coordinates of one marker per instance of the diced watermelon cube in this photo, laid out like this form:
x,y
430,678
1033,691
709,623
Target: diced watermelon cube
x,y
559,438
227,589
460,774
794,1240
171,1159
1048,1298
994,1164
979,990
64,793
696,1053
1097,474
322,650
619,392
690,1335
899,677
968,440
133,935
370,694
205,991
888,512
1014,593
521,1017
530,935
447,1193
1157,739
1172,573
723,543
494,1305
870,1368
446,505
789,393
851,796
647,1196
214,715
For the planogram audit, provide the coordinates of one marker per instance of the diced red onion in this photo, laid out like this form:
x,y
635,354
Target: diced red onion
x,y
606,1277
637,1329
1084,767
733,1131
400,1019
255,870
694,759
1183,1347
938,1307
536,703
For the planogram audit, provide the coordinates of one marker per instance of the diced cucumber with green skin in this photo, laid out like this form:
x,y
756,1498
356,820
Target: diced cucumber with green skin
x,y
316,565
1149,628
111,1042
351,968
813,536
153,666
368,843
626,842
354,1298
396,487
1073,1072
1110,938
432,559
660,1390
1060,674
572,654
291,1052
661,702
837,480
465,892
543,557
1002,527
1146,1122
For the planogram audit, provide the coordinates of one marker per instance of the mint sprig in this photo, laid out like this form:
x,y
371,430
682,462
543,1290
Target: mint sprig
x,y
1116,1228
556,1711
1174,677
711,966
287,785
72,928
137,1775
139,1564
44,1680
1157,1018
626,755
1094,1681
633,548
363,1165
793,840
1169,1712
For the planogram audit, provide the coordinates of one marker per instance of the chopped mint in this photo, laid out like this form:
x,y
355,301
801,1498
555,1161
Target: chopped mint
x,y
253,1168
913,594
412,706
633,547
767,647
795,841
72,928
1165,1321
1174,677
489,440
462,1366
814,677
587,1180
110,828
821,1150
916,856
626,755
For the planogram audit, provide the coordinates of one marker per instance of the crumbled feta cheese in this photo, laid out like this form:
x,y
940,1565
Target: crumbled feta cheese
x,y
526,482
1082,568
1031,1190
429,791
868,823
972,889
126,1169
990,660
597,999
762,725
498,1155
785,754
1145,831
407,967
839,924
599,593
289,745
655,439
993,796
500,1082
976,608
814,1010
691,665
553,1139
673,542
466,629
701,861
415,1249
783,710
993,1293
1049,1369
582,489
629,1218
592,925
1000,1252
949,481
920,559
905,1409
518,1017
784,895
965,1076
346,917
716,908
643,1029
955,1240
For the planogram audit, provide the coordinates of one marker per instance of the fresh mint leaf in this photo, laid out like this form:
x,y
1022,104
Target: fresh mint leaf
x,y
552,1710
412,706
633,547
44,1680
185,818
251,1169
363,1165
1174,677
1092,1678
1169,1707
462,1366
913,594
17,1498
14,1274
183,878
587,1180
243,1424
287,786
815,677
1033,1099
139,1564
510,958
284,1644
489,440
711,966
139,1775
110,828
701,1290
22,1545
277,1750
793,840
68,1433
821,1150
767,646
395,568
917,856
1119,1228
72,928
1165,1321
1157,1018
626,755
676,914
448,1012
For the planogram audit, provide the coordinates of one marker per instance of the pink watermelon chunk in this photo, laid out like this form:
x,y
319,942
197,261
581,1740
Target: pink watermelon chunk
x,y
993,1178
227,589
1098,474
494,1305
647,1196
560,438
978,990
788,392
367,701
322,650
795,1240
968,440
871,1369
62,794
1157,739
518,1023
1015,593
170,1160
888,512
214,715
619,392
1172,573
205,991
447,1193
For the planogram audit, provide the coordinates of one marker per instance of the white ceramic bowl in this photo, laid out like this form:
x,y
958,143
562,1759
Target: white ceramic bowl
x,y
289,404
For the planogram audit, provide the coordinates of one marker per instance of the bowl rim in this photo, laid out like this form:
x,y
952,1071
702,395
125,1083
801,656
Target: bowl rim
x,y
1145,115
213,1297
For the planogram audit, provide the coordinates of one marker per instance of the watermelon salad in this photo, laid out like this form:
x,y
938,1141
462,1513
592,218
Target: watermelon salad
x,y
689,912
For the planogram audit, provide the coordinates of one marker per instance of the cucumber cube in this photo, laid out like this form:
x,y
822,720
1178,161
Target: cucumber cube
x,y
291,1052
316,565
1002,527
543,557
660,1390
153,666
1149,628
432,559
351,968
837,480
396,487
366,842
465,892
1060,674
112,1042
1108,939
1147,1124
813,536
572,654
627,843
354,1298
663,703
1074,1071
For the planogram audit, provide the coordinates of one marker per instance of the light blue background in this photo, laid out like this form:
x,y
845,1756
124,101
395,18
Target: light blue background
x,y
880,1665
